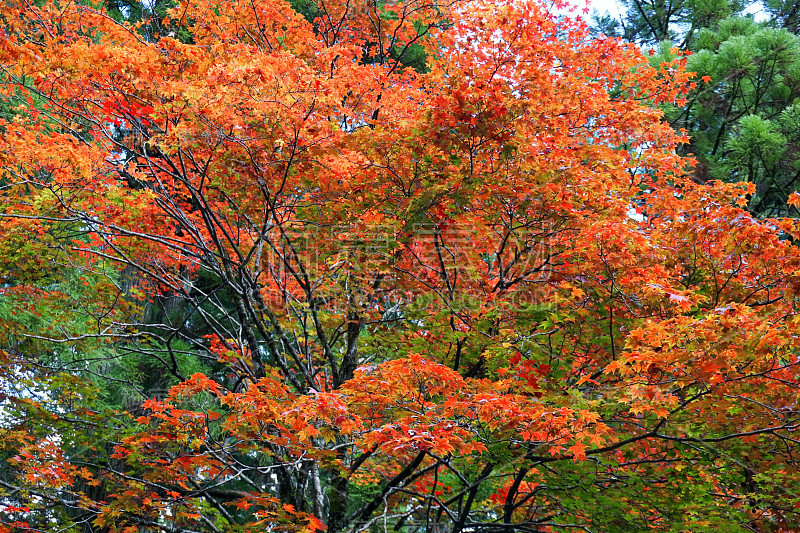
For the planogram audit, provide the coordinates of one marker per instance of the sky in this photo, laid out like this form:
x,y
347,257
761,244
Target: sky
x,y
605,5
612,7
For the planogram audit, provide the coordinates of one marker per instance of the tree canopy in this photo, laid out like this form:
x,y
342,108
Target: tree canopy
x,y
743,118
415,265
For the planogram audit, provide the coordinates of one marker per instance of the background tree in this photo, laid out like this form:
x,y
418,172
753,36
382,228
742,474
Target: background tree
x,y
479,293
650,22
742,118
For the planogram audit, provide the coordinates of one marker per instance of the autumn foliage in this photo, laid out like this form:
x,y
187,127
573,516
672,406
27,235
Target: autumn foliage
x,y
386,265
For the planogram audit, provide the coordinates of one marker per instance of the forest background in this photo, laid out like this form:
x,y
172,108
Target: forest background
x,y
409,266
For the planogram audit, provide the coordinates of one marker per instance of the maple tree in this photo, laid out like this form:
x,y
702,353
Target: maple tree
x,y
386,265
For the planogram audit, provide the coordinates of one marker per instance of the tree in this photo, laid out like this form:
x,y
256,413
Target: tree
x,y
742,118
480,294
649,22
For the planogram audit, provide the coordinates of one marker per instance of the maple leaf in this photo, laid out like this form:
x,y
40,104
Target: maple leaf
x,y
661,412
578,451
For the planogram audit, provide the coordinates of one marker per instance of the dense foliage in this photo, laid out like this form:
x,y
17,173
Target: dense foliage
x,y
410,266
743,118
